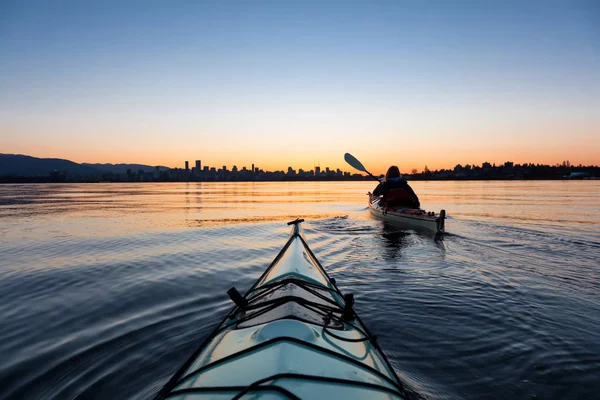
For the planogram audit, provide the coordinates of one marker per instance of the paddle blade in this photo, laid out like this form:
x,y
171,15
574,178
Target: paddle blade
x,y
350,159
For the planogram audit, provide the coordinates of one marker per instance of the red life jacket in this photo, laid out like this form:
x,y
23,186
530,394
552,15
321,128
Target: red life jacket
x,y
398,198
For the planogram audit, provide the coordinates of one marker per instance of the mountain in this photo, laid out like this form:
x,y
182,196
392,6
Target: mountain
x,y
21,165
122,168
27,166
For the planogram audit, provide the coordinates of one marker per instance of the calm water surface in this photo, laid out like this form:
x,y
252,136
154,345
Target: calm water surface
x,y
105,289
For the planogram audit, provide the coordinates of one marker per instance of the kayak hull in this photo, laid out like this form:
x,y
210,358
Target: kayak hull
x,y
292,335
408,218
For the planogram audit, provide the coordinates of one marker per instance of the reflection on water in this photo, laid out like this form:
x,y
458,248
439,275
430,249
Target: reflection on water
x,y
107,288
393,240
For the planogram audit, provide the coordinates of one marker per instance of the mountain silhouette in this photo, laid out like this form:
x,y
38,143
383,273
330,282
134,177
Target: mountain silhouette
x,y
27,166
21,165
122,168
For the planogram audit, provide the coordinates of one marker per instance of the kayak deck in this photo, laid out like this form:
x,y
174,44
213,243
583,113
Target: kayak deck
x,y
292,335
408,217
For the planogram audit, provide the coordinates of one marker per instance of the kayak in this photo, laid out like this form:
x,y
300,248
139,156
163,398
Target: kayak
x,y
293,335
408,217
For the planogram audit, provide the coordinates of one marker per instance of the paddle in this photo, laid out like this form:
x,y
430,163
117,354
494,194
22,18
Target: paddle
x,y
350,159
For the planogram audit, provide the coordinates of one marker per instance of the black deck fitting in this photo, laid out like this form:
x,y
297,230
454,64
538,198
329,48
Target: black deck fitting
x,y
348,313
237,298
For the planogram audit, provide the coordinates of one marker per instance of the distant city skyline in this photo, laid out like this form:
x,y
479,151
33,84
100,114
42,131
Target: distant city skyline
x,y
285,83
344,167
23,169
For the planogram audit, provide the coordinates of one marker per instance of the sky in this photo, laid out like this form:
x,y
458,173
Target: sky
x,y
283,83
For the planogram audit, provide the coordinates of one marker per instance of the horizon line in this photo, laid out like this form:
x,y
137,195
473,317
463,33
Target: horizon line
x,y
192,161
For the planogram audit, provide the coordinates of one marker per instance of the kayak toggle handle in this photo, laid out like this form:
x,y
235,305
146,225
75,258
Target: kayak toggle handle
x,y
348,313
296,221
237,298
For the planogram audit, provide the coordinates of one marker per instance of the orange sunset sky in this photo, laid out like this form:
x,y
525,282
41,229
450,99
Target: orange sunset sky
x,y
283,85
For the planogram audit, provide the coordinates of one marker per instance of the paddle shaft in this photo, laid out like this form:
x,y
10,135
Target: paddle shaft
x,y
371,175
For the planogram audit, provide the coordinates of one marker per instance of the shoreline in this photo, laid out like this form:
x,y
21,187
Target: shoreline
x,y
37,180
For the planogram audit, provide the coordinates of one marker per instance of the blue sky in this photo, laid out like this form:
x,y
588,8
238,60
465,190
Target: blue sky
x,y
283,83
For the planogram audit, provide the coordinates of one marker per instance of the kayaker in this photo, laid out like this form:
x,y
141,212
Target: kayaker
x,y
396,191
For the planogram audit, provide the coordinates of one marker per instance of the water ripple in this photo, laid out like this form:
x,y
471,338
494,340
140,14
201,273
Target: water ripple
x,y
106,289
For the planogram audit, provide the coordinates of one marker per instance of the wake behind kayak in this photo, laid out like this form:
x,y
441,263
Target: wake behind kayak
x,y
293,335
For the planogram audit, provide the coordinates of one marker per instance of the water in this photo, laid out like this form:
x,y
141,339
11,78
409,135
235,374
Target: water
x,y
105,289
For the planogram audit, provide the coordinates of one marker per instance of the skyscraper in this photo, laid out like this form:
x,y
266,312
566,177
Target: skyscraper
x,y
187,166
198,164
